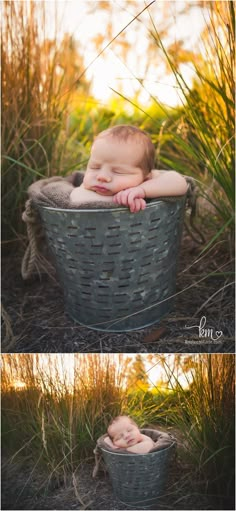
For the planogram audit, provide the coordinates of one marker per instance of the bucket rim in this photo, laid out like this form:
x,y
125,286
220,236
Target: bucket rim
x,y
137,454
149,205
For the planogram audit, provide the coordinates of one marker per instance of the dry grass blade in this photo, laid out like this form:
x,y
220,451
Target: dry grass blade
x,y
9,340
80,500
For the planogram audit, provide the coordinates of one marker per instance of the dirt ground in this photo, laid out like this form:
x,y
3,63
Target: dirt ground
x,y
26,490
34,319
24,486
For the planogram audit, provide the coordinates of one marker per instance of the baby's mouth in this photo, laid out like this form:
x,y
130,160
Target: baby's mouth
x,y
101,189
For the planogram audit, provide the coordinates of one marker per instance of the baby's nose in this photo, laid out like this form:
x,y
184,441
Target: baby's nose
x,y
104,176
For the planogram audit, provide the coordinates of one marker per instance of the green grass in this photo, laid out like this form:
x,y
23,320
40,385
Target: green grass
x,y
201,141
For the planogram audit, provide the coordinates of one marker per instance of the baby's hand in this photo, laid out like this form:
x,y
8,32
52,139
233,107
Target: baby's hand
x,y
132,198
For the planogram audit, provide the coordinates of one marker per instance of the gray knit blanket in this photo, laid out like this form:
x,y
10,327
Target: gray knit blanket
x,y
55,192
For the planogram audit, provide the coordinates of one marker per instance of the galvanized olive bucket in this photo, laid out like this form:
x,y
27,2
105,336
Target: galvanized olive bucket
x,y
138,480
117,269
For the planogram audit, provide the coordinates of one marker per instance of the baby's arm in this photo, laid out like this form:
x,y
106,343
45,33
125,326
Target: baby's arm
x,y
159,184
164,184
81,195
142,447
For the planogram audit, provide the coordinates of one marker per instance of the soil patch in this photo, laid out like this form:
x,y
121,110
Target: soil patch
x,y
34,318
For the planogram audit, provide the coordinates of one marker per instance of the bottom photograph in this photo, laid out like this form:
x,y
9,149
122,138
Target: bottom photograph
x,y
118,431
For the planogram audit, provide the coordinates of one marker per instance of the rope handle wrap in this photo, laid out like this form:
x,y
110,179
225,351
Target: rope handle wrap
x,y
33,260
31,257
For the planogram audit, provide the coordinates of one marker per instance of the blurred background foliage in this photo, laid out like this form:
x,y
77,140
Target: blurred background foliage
x,y
50,114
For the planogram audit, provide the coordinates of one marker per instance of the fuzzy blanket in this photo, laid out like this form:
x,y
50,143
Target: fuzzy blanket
x,y
55,192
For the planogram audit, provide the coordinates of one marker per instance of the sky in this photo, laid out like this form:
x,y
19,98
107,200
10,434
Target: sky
x,y
61,367
85,20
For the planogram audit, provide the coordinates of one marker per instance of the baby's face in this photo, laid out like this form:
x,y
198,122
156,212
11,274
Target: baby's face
x,y
124,433
113,166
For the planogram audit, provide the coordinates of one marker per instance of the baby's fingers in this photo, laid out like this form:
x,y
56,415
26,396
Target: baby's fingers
x,y
137,205
142,204
117,199
121,198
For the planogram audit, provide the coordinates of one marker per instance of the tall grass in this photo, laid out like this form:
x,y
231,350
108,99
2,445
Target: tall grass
x,y
201,141
206,416
33,111
55,418
157,406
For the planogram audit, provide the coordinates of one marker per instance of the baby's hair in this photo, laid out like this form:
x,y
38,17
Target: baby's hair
x,y
116,419
124,131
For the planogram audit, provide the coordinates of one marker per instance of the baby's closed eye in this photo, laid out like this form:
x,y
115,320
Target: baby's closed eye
x,y
118,171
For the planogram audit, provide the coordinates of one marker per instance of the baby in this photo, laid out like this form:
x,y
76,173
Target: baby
x,y
120,170
124,433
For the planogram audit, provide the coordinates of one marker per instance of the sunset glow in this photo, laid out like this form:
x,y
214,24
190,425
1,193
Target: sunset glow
x,y
63,372
87,22
18,384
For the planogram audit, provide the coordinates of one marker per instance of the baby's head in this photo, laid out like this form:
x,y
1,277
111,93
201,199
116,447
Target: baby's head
x,y
121,157
135,138
124,432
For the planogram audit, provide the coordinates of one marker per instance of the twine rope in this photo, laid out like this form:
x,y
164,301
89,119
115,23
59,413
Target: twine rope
x,y
98,459
31,261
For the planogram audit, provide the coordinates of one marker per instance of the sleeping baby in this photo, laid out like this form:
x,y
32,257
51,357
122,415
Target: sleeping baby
x,y
121,170
123,433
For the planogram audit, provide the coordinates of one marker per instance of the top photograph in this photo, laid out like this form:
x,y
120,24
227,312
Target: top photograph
x,y
118,195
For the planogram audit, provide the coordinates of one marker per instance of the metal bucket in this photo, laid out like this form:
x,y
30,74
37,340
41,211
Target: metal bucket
x,y
139,479
117,269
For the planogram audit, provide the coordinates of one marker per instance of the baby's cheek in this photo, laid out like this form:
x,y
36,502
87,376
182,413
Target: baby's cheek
x,y
86,181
